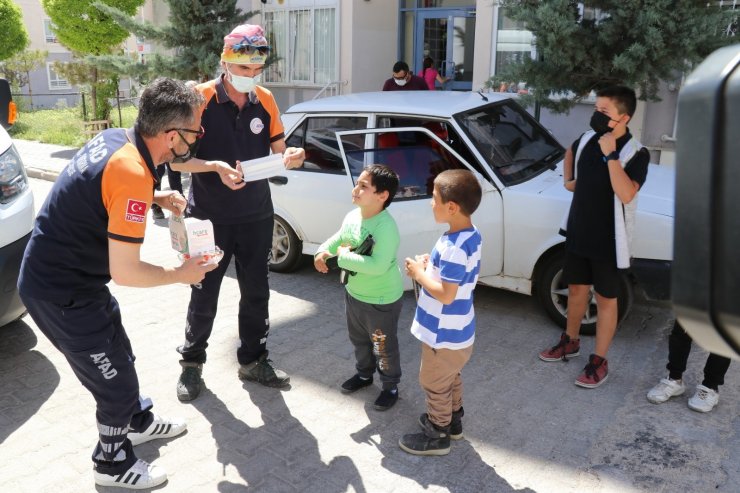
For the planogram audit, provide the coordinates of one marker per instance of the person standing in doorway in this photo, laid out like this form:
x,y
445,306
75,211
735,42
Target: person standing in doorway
x,y
430,74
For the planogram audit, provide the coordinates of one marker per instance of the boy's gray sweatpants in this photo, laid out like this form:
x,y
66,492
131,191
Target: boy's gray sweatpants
x,y
373,331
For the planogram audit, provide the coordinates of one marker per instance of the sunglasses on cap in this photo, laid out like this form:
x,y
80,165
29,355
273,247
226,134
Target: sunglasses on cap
x,y
247,49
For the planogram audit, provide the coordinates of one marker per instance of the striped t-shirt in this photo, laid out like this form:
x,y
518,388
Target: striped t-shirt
x,y
456,259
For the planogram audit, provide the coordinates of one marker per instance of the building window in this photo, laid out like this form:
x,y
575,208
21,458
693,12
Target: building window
x,y
304,45
49,34
514,44
55,80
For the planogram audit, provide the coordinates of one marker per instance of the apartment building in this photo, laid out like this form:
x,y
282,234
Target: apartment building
x,y
328,47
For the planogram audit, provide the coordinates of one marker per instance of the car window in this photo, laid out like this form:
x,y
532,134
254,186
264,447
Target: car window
x,y
416,157
440,128
513,143
317,135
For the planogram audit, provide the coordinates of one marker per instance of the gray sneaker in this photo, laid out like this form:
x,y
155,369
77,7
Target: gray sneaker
x,y
262,371
190,383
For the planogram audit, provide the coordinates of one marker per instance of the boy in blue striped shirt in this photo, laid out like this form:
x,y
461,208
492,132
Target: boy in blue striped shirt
x,y
445,318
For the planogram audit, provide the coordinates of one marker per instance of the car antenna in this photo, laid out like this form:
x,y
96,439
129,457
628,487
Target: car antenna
x,y
481,95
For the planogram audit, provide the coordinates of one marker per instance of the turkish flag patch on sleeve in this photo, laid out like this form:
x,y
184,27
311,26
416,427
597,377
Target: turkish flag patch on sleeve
x,y
136,211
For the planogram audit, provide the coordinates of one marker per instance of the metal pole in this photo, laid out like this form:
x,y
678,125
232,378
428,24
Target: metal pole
x,y
84,107
118,102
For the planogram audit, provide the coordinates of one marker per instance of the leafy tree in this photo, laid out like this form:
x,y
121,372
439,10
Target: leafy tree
x,y
585,46
86,30
193,36
13,35
17,69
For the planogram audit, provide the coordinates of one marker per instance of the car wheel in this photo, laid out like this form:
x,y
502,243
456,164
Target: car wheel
x,y
286,247
552,293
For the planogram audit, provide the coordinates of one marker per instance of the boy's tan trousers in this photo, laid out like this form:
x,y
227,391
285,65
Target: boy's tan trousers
x,y
439,376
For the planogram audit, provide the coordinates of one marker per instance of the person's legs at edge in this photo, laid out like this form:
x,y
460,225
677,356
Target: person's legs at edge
x,y
707,394
679,347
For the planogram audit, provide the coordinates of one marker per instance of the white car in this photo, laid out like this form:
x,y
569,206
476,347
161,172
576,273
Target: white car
x,y
16,214
421,133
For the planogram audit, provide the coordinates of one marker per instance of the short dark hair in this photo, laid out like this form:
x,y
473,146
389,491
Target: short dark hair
x,y
383,179
400,65
461,187
166,103
623,97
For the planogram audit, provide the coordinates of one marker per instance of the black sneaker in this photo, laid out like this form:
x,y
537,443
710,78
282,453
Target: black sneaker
x,y
262,371
434,440
456,428
157,212
190,383
386,400
356,383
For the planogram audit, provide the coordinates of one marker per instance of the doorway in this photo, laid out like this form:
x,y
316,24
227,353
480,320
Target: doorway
x,y
448,37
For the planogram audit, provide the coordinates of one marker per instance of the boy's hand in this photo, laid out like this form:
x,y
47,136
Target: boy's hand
x,y
414,267
343,249
608,143
319,262
424,259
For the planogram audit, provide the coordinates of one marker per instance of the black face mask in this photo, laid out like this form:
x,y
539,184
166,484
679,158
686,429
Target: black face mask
x,y
600,122
192,149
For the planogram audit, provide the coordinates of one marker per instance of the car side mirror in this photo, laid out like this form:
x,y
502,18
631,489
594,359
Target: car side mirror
x,y
706,265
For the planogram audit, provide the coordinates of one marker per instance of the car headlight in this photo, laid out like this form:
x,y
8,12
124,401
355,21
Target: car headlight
x,y
13,179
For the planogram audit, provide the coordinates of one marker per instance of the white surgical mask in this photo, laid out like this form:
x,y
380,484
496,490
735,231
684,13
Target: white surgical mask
x,y
401,82
243,84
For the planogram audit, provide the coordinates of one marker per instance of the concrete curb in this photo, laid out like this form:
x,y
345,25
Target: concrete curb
x,y
42,174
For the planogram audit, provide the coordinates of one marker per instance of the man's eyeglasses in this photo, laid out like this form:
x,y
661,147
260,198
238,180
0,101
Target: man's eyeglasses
x,y
198,133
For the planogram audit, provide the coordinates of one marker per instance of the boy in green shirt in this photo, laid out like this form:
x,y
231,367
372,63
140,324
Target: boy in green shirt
x,y
374,289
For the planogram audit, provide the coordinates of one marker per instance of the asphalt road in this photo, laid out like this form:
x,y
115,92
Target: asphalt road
x,y
527,427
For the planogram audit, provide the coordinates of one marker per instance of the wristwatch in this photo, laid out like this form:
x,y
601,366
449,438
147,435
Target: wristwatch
x,y
612,156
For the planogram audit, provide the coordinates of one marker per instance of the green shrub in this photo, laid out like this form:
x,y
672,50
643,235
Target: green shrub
x,y
62,126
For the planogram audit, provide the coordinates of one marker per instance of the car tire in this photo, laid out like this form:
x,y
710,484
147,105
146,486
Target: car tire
x,y
552,293
286,247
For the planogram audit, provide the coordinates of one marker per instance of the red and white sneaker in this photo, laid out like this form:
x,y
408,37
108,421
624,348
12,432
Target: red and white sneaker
x,y
160,428
564,349
594,374
140,476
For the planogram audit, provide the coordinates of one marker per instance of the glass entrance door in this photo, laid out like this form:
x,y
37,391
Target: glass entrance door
x,y
448,37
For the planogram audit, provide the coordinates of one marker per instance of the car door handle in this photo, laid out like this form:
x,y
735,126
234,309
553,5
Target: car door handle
x,y
278,180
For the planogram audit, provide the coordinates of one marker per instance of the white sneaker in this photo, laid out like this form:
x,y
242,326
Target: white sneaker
x,y
666,389
160,428
140,476
704,400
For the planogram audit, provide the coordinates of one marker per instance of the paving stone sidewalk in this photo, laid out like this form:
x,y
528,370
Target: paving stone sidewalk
x,y
527,427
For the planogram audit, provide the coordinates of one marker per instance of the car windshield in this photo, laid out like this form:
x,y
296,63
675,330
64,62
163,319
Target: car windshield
x,y
511,142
